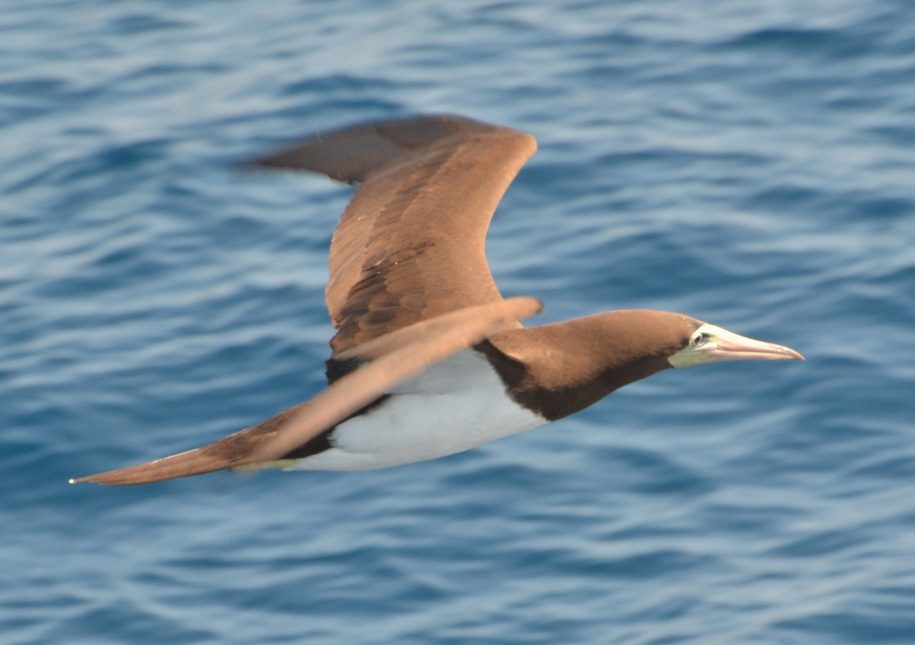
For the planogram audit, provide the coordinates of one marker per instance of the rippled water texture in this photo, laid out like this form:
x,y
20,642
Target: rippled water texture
x,y
749,163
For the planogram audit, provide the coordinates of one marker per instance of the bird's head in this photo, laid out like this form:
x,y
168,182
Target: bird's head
x,y
637,343
652,340
569,365
708,343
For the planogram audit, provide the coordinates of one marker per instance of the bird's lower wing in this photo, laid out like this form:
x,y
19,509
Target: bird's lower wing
x,y
391,361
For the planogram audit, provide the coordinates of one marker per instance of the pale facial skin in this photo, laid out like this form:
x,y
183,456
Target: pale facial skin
x,y
711,344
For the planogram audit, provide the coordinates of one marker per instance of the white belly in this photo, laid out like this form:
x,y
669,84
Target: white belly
x,y
454,406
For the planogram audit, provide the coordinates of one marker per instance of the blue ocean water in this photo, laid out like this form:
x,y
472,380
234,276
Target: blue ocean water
x,y
748,163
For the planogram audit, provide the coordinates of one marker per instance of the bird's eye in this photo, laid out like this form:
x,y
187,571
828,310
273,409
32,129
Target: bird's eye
x,y
700,338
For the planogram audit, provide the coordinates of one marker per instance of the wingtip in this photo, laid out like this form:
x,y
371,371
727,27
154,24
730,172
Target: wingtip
x,y
538,305
87,479
521,307
107,477
184,464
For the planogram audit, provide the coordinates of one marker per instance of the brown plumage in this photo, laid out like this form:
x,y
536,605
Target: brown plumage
x,y
393,360
409,286
410,244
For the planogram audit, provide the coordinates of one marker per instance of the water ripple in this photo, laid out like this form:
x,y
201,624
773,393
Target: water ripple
x,y
747,163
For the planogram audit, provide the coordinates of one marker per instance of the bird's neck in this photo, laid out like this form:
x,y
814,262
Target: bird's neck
x,y
559,369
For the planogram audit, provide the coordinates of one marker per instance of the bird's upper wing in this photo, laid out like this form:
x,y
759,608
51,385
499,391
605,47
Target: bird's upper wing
x,y
410,244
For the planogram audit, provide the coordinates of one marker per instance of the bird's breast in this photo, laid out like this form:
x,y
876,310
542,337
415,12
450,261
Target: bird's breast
x,y
456,405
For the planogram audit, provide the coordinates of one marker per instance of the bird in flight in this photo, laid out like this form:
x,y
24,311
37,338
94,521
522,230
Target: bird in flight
x,y
428,359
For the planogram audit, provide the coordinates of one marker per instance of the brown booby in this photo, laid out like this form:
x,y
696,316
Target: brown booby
x,y
428,358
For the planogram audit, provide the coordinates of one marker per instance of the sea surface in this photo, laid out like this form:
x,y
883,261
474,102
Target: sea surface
x,y
749,163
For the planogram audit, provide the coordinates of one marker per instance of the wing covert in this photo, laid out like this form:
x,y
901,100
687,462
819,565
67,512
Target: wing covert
x,y
410,244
